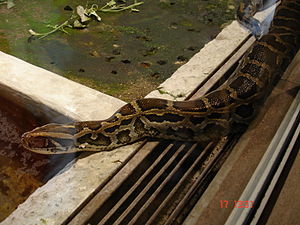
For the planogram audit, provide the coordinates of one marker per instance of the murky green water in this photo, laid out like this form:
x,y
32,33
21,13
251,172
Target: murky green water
x,y
127,54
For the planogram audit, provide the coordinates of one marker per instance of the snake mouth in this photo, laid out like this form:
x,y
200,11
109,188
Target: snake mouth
x,y
49,139
46,145
33,142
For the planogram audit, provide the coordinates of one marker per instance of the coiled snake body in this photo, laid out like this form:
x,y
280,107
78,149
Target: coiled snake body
x,y
228,109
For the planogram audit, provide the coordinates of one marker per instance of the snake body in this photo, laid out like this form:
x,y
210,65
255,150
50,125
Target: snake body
x,y
228,109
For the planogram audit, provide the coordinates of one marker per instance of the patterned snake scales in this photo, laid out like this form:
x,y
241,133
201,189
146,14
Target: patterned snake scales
x,y
226,110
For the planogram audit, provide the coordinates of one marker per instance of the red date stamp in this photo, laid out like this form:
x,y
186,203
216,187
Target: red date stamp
x,y
236,204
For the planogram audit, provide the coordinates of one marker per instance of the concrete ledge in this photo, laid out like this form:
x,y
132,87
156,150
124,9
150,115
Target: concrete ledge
x,y
62,95
189,76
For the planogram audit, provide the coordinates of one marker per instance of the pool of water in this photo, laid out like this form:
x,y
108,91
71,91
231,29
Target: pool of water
x,y
21,171
127,54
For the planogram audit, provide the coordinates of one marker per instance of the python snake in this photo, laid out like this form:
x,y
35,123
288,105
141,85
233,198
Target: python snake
x,y
226,110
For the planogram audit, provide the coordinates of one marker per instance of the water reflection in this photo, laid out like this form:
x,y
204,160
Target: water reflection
x,y
21,171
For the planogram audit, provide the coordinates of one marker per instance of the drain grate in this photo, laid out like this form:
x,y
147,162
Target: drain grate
x,y
167,176
163,180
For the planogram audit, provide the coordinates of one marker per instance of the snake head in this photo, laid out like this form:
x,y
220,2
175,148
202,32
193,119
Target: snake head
x,y
50,139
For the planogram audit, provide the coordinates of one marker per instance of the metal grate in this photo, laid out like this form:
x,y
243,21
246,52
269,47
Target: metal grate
x,y
163,180
161,188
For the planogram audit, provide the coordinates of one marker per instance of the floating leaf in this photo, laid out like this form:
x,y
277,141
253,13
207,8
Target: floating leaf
x,y
33,32
78,24
93,12
81,13
98,18
111,3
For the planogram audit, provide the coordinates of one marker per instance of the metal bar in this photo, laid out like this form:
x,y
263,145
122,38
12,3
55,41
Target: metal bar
x,y
128,193
276,177
154,195
265,170
197,183
149,185
171,193
100,195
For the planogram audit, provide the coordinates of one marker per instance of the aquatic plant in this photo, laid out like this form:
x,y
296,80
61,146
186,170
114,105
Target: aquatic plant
x,y
80,17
